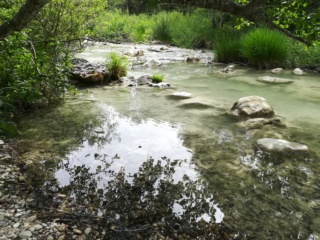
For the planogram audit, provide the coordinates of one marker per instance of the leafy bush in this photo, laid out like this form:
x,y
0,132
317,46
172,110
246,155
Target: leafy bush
x,y
302,56
117,66
264,48
157,78
227,45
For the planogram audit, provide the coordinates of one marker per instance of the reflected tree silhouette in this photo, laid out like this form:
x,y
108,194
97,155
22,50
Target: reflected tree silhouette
x,y
145,204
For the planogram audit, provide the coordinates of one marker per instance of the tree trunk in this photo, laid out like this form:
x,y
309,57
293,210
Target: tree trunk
x,y
25,15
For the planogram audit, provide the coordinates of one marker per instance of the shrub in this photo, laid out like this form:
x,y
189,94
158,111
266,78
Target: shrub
x,y
264,48
227,45
161,28
157,78
302,56
117,66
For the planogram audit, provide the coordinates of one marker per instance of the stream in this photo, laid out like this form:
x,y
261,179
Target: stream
x,y
141,156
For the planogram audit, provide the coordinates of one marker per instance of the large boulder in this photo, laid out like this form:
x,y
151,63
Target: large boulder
x,y
281,146
252,107
87,73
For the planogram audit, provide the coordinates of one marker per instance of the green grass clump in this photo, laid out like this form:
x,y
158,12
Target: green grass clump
x,y
190,30
264,48
161,27
227,45
117,66
157,78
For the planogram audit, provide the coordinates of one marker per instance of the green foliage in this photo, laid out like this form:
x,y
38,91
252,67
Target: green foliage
x,y
8,129
303,56
161,28
264,48
157,78
227,45
117,65
117,26
190,30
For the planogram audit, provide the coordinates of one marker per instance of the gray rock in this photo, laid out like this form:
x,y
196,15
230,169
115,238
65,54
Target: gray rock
x,y
25,234
252,107
159,85
281,146
31,219
143,80
274,80
37,227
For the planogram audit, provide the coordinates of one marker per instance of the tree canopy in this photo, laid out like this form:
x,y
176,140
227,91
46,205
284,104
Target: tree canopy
x,y
298,19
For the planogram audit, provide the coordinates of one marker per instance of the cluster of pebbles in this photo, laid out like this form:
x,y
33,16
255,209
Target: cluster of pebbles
x,y
19,220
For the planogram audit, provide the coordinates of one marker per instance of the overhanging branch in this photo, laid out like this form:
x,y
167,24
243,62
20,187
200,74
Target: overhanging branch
x,y
25,15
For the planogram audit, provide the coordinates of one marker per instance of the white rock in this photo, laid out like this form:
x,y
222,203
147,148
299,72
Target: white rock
x,y
16,225
281,146
180,95
77,231
297,71
277,70
268,79
25,234
87,231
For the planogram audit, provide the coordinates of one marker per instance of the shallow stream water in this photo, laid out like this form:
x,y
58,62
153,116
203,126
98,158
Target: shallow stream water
x,y
138,155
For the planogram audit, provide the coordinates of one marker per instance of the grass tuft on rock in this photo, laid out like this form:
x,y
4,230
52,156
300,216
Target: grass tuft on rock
x,y
117,65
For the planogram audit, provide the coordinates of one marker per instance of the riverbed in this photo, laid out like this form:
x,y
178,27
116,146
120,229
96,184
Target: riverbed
x,y
139,155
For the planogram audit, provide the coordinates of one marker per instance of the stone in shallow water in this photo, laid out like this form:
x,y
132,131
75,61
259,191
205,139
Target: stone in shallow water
x,y
253,107
180,95
277,70
297,71
281,146
274,80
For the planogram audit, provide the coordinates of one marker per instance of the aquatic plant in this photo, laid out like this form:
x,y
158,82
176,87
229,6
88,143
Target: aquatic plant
x,y
264,48
117,66
157,78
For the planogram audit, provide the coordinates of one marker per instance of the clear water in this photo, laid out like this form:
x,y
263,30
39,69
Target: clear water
x,y
120,138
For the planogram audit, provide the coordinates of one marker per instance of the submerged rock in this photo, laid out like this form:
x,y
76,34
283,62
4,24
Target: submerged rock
x,y
258,123
274,80
252,107
281,146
